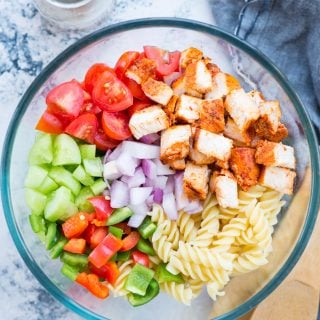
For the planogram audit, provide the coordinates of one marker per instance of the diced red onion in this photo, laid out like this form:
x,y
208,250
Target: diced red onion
x,y
150,138
163,169
137,180
140,212
127,164
119,194
169,185
169,206
148,183
140,150
160,182
149,168
106,193
193,207
150,200
181,199
158,195
139,195
115,153
171,77
105,158
111,171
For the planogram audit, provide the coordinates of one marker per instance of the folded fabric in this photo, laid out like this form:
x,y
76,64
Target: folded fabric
x,y
286,31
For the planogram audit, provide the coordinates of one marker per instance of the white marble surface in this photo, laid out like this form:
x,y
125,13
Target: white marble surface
x,y
27,44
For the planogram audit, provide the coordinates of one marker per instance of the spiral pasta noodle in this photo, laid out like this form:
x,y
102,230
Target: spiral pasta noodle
x,y
187,226
179,291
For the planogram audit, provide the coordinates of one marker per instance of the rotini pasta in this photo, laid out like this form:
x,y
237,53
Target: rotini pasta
x,y
118,289
179,291
187,226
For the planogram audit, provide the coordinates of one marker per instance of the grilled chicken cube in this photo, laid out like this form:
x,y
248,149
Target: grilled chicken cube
x,y
178,164
233,132
280,179
269,119
179,88
275,154
212,116
256,96
149,120
141,70
199,158
222,164
157,91
242,109
195,181
188,56
212,145
222,84
224,185
170,108
188,109
175,143
244,166
281,134
197,77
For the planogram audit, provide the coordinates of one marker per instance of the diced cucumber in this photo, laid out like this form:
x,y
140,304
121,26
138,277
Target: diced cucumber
x,y
98,186
35,200
37,223
35,177
82,176
63,177
41,151
88,151
81,200
71,211
71,167
47,186
58,204
65,151
93,167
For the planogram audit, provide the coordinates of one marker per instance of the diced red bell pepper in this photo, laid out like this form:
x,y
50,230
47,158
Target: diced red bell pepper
x,y
102,207
109,271
74,226
87,234
91,283
140,257
130,241
75,245
105,250
98,235
98,223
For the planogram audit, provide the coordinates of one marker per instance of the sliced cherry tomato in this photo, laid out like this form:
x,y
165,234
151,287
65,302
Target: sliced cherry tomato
x,y
116,125
50,123
84,127
130,241
98,235
105,250
87,234
135,88
66,99
93,73
167,62
90,107
140,257
109,271
103,142
102,207
75,245
91,283
137,106
124,227
124,62
111,94
75,225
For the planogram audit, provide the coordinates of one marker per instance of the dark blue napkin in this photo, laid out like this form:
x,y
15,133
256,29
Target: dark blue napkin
x,y
286,31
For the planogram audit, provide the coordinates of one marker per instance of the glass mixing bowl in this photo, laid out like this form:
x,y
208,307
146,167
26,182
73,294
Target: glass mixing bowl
x,y
233,55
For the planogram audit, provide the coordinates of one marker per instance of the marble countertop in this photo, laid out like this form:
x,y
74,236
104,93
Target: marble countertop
x,y
27,44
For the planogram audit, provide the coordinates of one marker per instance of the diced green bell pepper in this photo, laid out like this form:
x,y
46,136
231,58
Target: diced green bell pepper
x,y
146,247
163,275
119,215
152,291
147,228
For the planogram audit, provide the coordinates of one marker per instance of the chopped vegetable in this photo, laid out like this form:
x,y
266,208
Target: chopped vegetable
x,y
117,232
36,201
69,271
82,176
74,226
37,223
163,275
130,241
87,151
151,292
98,187
51,235
146,247
75,245
57,249
109,271
42,150
102,207
97,236
65,151
93,167
82,201
123,256
91,282
147,228
142,258
119,215
76,260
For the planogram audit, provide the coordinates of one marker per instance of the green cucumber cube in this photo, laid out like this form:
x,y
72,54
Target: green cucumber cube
x,y
93,167
82,176
35,177
65,151
98,186
36,201
81,200
47,186
88,151
41,151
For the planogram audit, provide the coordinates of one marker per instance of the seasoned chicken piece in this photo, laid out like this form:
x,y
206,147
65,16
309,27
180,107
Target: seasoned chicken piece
x,y
225,186
222,84
213,68
199,158
233,132
179,88
269,119
141,70
157,91
178,164
149,120
280,179
212,116
188,56
197,77
170,108
275,154
242,109
222,164
256,96
244,167
195,181
188,109
281,134
212,145
175,143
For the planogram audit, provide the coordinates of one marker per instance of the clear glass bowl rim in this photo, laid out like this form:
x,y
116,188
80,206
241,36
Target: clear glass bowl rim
x,y
313,205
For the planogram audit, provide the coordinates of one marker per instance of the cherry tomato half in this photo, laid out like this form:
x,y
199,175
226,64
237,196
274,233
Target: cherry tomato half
x,y
124,62
103,142
50,123
134,88
116,125
93,74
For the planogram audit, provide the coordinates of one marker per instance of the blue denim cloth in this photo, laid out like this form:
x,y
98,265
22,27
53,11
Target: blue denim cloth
x,y
286,31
